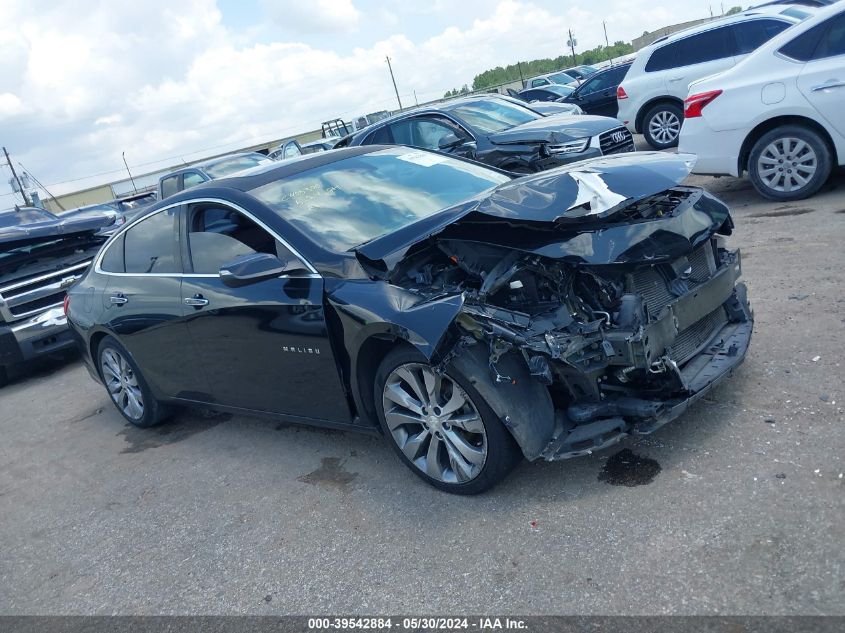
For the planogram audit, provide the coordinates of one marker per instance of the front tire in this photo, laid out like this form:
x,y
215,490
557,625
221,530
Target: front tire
x,y
440,426
791,162
126,386
662,125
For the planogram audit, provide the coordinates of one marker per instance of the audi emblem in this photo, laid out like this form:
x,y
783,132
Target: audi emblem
x,y
618,137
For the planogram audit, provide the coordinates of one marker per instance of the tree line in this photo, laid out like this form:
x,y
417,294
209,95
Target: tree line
x,y
526,70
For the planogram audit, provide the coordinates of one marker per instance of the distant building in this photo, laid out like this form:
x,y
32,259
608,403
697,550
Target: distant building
x,y
648,38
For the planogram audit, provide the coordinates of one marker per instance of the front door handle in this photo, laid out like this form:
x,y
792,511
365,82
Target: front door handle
x,y
118,299
831,83
197,301
674,79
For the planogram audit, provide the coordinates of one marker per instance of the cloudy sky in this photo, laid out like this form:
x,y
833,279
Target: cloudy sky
x,y
81,82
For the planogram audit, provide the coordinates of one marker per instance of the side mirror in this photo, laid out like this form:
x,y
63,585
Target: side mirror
x,y
450,141
250,269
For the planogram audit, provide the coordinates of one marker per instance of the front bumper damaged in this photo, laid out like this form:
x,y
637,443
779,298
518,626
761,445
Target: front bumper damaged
x,y
602,418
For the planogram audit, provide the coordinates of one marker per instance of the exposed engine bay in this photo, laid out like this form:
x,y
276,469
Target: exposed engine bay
x,y
620,346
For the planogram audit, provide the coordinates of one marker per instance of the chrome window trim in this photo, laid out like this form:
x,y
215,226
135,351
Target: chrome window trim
x,y
235,207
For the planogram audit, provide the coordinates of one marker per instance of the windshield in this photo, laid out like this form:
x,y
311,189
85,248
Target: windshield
x,y
24,216
229,166
562,78
355,200
491,116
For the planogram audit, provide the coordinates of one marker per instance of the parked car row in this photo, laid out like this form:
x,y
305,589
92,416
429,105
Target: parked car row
x,y
778,115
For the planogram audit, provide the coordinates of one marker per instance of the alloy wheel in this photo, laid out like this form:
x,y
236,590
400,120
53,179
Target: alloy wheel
x,y
122,384
664,127
787,164
435,423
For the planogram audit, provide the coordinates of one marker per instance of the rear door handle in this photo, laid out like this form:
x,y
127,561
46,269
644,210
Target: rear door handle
x,y
674,79
832,83
118,299
196,301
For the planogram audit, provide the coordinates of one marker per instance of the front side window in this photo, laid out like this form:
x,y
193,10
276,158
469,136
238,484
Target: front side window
x,y
152,246
218,235
419,132
490,116
191,179
753,34
354,200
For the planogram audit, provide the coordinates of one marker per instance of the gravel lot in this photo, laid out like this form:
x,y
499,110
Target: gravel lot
x,y
738,507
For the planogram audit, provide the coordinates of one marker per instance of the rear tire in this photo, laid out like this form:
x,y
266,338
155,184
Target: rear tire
x,y
662,125
440,426
791,162
126,386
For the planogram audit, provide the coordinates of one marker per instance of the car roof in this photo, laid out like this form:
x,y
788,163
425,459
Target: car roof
x,y
263,174
434,108
773,10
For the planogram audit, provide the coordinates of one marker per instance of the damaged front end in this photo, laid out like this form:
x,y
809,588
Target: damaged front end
x,y
584,322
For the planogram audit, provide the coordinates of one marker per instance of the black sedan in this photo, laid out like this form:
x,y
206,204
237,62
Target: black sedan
x,y
471,318
597,95
500,133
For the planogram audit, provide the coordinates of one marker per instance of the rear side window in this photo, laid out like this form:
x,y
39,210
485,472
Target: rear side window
x,y
753,34
169,186
824,40
663,58
833,43
382,136
707,47
151,246
112,261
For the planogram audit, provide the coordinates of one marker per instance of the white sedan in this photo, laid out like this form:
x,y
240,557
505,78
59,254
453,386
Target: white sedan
x,y
779,114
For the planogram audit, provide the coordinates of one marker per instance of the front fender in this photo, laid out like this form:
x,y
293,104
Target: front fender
x,y
522,404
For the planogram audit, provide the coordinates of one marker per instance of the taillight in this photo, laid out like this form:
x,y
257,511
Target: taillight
x,y
66,304
620,93
695,104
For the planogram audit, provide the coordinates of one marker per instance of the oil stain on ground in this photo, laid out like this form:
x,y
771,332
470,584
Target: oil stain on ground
x,y
330,474
780,214
177,430
626,468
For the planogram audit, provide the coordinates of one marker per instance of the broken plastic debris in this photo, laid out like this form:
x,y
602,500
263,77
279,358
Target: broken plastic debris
x,y
816,359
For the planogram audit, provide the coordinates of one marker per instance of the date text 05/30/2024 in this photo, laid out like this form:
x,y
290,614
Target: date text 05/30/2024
x,y
416,623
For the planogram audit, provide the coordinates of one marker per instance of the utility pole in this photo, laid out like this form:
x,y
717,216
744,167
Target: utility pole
x,y
395,89
572,46
521,78
123,154
15,176
606,41
38,182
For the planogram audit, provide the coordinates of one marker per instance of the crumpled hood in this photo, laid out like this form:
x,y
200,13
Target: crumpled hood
x,y
22,235
587,191
557,128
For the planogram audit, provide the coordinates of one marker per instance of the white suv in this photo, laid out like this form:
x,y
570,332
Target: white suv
x,y
651,96
779,115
